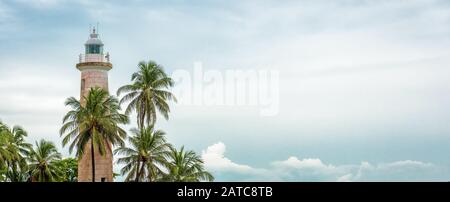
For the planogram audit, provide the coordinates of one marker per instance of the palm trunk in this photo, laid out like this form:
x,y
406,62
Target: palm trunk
x,y
137,171
141,121
93,160
150,173
142,168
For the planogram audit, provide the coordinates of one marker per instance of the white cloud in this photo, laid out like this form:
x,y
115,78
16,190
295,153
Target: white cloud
x,y
215,160
310,163
313,169
345,178
35,99
405,170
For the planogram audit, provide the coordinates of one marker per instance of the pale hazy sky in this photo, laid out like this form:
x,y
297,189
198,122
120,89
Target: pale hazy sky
x,y
364,85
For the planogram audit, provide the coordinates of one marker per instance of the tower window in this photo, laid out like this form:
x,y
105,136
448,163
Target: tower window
x,y
82,84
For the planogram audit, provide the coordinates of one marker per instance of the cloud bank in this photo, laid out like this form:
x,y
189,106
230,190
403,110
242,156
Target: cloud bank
x,y
313,169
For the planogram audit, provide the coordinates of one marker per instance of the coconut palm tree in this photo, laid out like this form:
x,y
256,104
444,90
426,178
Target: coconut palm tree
x,y
4,152
13,150
145,156
96,123
18,134
17,174
185,166
42,162
148,93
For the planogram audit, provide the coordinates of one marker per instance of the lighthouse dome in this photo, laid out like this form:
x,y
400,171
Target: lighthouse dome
x,y
93,39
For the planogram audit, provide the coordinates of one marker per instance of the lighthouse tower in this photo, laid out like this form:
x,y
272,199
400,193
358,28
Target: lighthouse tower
x,y
94,66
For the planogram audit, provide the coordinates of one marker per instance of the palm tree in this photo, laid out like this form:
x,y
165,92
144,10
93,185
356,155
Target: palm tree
x,y
4,152
148,93
17,174
145,156
43,160
96,123
13,150
186,166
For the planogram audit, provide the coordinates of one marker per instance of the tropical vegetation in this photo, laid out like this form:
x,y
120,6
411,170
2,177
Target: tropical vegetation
x,y
147,153
21,162
185,166
96,124
43,162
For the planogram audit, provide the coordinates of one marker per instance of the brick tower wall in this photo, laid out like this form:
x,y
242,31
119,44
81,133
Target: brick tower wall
x,y
94,77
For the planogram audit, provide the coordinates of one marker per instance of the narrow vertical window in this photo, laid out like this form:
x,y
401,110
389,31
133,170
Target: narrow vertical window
x,y
82,84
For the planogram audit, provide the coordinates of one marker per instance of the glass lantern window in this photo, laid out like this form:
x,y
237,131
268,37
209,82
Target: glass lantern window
x,y
94,49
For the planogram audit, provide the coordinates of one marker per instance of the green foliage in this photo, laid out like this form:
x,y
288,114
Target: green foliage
x,y
185,166
20,162
13,153
147,153
148,158
148,93
43,162
95,123
69,169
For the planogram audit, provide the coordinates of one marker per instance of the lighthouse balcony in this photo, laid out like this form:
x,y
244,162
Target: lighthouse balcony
x,y
83,58
94,61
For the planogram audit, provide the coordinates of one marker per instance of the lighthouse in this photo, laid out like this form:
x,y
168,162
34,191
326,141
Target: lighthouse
x,y
94,66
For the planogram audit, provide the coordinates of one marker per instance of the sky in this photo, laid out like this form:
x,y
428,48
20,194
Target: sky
x,y
362,86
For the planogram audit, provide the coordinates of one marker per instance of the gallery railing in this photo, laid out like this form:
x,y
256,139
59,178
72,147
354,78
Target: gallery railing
x,y
93,58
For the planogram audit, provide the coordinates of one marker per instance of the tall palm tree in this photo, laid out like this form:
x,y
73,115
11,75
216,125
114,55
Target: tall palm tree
x,y
186,166
43,162
145,156
96,123
148,93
